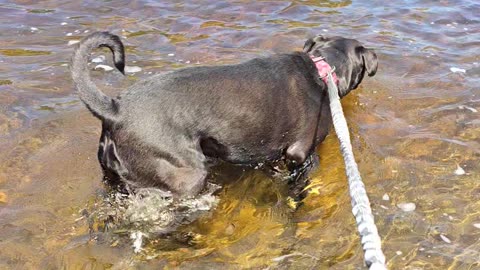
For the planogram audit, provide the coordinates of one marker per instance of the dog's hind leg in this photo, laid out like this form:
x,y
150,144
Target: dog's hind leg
x,y
188,181
182,181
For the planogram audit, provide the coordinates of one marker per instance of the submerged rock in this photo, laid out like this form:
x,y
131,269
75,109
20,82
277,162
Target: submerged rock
x,y
3,197
407,207
445,239
459,171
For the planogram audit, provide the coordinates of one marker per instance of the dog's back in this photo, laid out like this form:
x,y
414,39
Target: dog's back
x,y
267,98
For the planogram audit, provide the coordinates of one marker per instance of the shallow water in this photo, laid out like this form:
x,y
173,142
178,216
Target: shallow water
x,y
413,124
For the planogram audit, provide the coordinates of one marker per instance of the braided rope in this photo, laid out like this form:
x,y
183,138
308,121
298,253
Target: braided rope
x,y
362,212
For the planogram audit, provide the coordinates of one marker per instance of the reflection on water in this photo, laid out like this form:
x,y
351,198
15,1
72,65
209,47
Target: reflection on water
x,y
413,124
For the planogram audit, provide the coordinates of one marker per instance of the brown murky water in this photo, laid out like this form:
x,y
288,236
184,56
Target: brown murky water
x,y
413,124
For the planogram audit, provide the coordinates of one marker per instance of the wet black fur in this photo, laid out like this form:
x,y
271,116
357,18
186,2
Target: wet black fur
x,y
161,130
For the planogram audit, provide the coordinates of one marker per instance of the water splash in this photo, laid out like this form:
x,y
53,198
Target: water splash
x,y
149,212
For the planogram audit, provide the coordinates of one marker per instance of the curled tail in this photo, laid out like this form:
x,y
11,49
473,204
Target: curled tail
x,y
102,106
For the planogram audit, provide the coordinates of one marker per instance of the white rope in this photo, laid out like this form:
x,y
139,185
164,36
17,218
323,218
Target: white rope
x,y
369,237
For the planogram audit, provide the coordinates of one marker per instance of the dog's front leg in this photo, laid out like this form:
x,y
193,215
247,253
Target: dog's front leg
x,y
297,153
299,177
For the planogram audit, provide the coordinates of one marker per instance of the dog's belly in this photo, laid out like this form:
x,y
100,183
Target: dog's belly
x,y
252,145
292,135
241,153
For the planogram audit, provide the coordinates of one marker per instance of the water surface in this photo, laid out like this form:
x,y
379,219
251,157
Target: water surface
x,y
412,125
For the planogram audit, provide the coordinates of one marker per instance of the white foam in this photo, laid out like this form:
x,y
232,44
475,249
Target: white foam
x,y
137,238
457,70
72,42
150,211
104,67
98,59
132,69
465,107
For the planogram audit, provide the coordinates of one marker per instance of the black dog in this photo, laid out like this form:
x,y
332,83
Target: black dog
x,y
161,131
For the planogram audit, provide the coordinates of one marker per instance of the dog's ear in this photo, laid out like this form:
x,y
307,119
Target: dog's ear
x,y
369,61
308,45
317,40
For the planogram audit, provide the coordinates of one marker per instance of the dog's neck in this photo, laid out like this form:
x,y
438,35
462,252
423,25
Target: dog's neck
x,y
323,68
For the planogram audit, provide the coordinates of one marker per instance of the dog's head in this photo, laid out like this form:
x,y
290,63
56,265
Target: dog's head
x,y
349,57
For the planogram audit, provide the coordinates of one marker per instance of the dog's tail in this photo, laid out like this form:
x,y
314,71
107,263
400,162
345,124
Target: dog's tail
x,y
102,106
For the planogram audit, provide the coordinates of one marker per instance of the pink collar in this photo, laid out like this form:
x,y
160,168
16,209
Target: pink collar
x,y
323,68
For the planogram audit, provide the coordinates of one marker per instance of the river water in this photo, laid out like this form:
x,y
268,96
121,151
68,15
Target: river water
x,y
415,128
